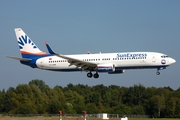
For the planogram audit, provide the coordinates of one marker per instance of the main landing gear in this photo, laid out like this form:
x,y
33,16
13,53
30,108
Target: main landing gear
x,y
89,75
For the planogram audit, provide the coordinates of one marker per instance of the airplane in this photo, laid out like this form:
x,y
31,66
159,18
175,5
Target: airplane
x,y
111,63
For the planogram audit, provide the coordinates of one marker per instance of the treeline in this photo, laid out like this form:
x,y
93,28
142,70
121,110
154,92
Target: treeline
x,y
38,98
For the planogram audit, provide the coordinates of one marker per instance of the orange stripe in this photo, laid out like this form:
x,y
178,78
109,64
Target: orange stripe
x,y
41,53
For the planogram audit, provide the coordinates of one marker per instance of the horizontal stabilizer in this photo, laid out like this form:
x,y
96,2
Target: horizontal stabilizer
x,y
21,59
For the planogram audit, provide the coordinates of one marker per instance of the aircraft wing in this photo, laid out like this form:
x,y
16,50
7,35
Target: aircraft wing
x,y
79,63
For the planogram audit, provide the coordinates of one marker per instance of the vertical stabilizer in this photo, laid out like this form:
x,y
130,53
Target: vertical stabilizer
x,y
26,45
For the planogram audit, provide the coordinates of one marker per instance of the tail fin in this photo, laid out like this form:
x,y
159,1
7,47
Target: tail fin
x,y
27,48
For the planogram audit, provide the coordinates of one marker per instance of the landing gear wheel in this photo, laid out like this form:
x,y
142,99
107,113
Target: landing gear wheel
x,y
157,73
96,75
89,75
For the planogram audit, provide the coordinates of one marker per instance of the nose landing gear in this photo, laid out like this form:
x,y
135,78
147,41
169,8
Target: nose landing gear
x,y
160,68
157,73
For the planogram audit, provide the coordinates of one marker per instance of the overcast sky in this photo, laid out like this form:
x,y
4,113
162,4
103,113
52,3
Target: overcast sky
x,y
73,27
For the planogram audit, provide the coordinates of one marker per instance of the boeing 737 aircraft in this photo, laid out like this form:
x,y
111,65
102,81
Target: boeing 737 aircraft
x,y
112,63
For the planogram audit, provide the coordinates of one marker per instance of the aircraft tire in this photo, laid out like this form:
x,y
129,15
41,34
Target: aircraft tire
x,y
96,75
89,75
157,73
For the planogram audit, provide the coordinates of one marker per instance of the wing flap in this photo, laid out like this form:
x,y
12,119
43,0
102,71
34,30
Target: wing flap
x,y
79,63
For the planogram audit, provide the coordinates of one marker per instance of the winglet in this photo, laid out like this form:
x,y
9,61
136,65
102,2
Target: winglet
x,y
49,48
88,52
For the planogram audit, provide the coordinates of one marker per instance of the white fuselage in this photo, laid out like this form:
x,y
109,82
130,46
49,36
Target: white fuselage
x,y
125,60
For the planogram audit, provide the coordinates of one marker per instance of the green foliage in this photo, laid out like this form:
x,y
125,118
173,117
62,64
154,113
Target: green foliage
x,y
55,106
91,108
39,83
2,96
8,102
69,109
122,109
75,100
158,104
26,108
38,98
138,110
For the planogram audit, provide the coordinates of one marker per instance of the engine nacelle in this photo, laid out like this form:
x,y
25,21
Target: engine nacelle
x,y
106,68
117,72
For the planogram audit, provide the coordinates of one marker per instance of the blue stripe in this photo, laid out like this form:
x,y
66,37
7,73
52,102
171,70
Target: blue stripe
x,y
34,55
117,68
65,70
143,67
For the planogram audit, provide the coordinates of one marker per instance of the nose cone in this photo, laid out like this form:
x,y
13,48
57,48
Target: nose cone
x,y
172,61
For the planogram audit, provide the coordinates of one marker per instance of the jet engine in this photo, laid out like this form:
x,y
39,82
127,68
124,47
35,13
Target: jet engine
x,y
106,68
118,71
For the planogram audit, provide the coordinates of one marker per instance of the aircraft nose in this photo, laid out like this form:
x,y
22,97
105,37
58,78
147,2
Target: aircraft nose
x,y
172,61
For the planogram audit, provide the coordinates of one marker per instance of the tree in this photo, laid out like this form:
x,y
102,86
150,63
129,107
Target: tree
x,y
91,108
69,109
2,94
158,104
37,97
24,89
58,94
39,83
134,95
171,107
26,108
76,100
122,109
40,99
138,110
116,96
8,102
55,106
148,93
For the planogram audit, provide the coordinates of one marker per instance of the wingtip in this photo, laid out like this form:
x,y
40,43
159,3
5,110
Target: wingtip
x,y
49,48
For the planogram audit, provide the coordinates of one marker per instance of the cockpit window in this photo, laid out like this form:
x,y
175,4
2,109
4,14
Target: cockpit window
x,y
164,56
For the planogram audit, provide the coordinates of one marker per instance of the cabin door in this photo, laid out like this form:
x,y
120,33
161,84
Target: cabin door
x,y
41,64
153,58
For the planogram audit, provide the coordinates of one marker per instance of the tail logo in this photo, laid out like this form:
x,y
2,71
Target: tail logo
x,y
26,41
